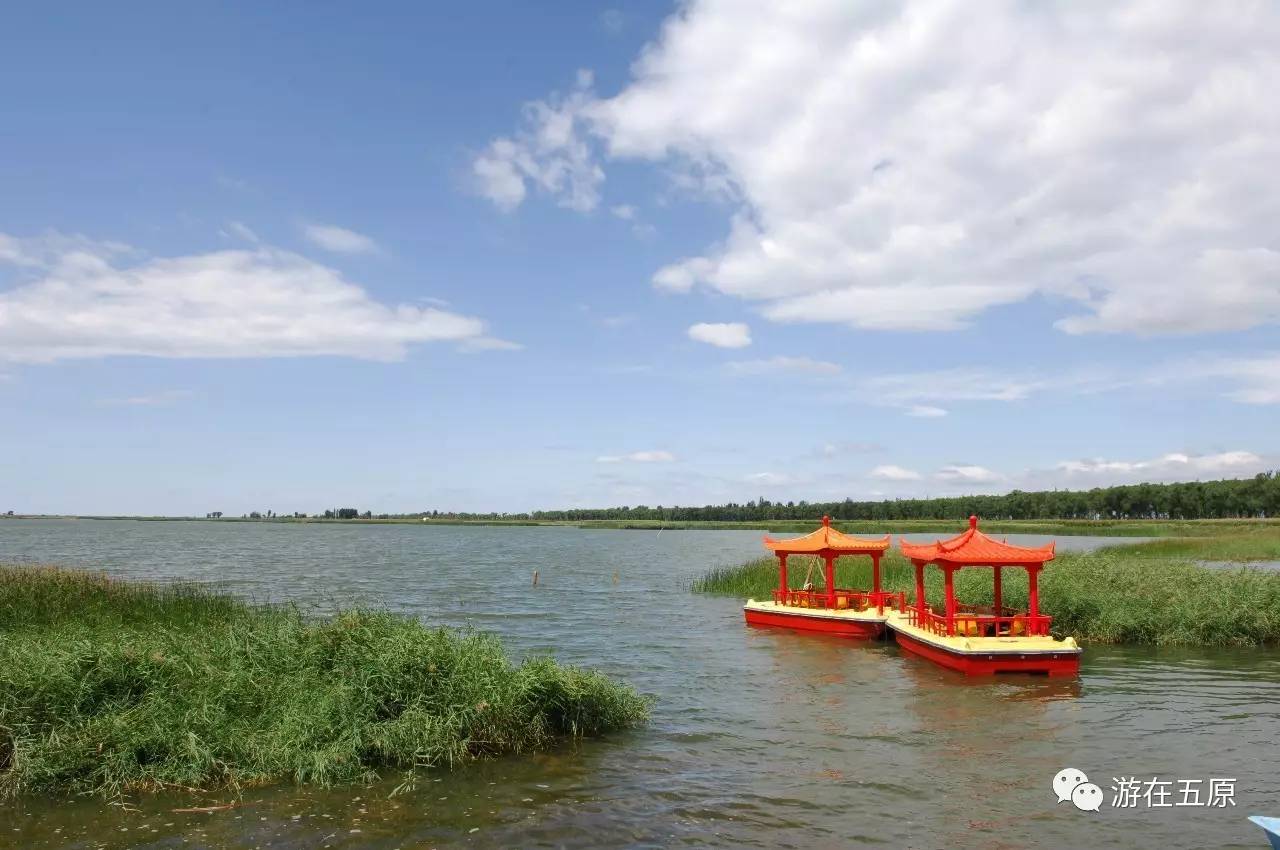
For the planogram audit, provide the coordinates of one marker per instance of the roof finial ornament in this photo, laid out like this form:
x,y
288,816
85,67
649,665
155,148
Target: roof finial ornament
x,y
973,520
826,521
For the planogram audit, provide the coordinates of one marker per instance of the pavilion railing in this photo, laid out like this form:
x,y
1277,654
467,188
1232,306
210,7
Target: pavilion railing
x,y
971,624
844,599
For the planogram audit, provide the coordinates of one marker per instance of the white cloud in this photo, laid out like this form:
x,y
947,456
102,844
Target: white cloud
x,y
911,165
240,230
654,456
721,334
549,152
1176,466
1246,378
339,240
1255,379
475,344
783,365
769,478
889,472
628,213
968,474
159,399
922,394
834,449
85,301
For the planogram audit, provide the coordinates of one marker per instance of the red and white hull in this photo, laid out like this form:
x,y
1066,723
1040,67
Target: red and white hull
x,y
863,625
989,656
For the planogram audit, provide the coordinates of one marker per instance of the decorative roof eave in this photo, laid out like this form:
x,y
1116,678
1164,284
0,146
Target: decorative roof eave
x,y
975,549
827,541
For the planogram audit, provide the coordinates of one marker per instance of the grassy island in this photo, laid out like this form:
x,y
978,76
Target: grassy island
x,y
108,686
1148,593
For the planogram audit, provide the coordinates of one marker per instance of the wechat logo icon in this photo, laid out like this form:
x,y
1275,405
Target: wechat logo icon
x,y
1072,786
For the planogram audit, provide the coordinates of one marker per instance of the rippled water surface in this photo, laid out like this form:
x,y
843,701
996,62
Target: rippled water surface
x,y
759,738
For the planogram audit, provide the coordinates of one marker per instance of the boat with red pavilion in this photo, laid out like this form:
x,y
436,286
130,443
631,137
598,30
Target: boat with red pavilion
x,y
830,609
977,640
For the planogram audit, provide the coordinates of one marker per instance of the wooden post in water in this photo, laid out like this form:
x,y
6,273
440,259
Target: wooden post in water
x,y
535,578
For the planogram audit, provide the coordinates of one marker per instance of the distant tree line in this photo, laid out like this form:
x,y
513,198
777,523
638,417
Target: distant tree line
x,y
1249,497
1227,499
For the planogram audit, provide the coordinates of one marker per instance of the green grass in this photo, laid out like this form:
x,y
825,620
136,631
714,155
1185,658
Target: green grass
x,y
1116,595
1257,544
109,686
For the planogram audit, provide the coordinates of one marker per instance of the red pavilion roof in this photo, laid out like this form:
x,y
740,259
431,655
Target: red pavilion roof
x,y
973,548
826,539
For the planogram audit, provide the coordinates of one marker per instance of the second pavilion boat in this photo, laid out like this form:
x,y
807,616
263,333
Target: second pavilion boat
x,y
834,610
974,639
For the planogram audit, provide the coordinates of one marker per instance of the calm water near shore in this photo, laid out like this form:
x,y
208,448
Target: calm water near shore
x,y
759,738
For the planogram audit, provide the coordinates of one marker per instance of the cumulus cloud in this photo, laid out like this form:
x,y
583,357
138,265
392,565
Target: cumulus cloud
x,y
84,300
653,456
783,365
889,472
967,474
550,152
339,240
721,334
911,165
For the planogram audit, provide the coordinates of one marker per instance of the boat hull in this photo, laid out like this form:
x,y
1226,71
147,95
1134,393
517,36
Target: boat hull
x,y
976,662
810,620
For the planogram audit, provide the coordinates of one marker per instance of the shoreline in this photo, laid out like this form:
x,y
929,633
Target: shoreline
x,y
1191,528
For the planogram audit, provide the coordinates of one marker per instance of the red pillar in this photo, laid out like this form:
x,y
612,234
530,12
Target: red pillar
x,y
996,593
831,581
948,574
1033,591
919,594
875,582
782,576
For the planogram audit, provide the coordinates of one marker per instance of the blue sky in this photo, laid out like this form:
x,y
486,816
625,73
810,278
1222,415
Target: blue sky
x,y
270,256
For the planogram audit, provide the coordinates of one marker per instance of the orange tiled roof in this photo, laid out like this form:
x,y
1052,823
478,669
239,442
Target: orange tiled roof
x,y
826,539
975,548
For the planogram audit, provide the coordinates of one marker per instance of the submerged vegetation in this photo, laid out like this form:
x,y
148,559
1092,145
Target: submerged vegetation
x,y
108,686
1124,594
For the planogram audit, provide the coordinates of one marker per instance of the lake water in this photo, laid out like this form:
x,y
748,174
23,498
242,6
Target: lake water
x,y
758,738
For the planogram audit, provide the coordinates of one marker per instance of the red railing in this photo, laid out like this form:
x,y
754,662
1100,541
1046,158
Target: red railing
x,y
852,600
970,624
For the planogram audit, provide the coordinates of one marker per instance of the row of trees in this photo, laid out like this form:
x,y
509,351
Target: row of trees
x,y
335,513
1250,497
1234,498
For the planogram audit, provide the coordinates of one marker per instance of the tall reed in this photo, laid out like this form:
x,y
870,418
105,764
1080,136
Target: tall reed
x,y
108,686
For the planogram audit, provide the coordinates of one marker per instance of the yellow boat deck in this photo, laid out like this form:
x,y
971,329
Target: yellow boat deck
x,y
1021,644
870,615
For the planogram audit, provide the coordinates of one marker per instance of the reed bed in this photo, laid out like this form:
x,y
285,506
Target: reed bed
x,y
109,686
1116,595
